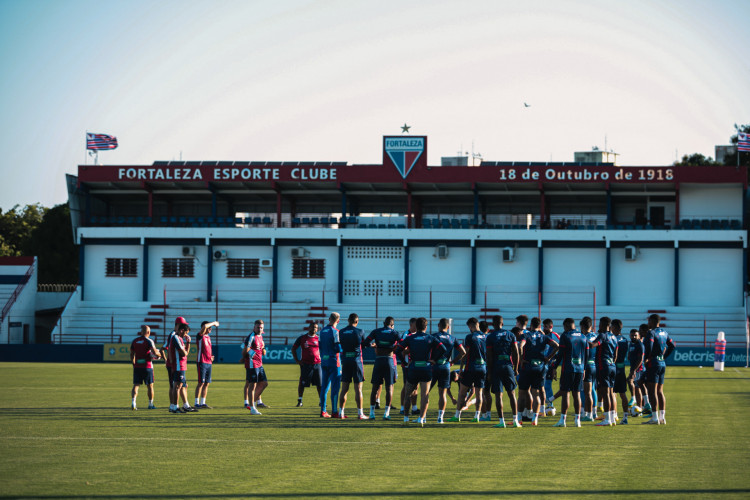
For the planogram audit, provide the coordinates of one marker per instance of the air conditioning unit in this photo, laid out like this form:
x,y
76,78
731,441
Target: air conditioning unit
x,y
299,253
266,262
188,251
441,251
509,254
220,255
631,252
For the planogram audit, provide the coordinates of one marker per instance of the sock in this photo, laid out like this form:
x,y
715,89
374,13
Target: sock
x,y
440,414
299,398
360,412
536,416
259,402
341,412
247,402
377,400
414,409
406,418
133,401
563,417
203,401
645,401
661,414
458,414
151,402
515,418
476,415
197,401
402,407
387,412
372,409
185,405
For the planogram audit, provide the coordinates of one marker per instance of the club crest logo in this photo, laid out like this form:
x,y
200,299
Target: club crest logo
x,y
404,152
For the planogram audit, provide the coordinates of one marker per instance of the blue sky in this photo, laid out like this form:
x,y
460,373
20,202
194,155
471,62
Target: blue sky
x,y
325,80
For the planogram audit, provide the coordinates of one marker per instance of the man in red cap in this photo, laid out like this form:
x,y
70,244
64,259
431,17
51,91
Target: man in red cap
x,y
179,324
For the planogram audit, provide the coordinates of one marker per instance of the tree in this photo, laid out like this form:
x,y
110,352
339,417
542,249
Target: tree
x,y
16,227
53,245
695,159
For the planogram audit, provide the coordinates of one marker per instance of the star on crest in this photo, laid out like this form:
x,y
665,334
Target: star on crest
x,y
405,129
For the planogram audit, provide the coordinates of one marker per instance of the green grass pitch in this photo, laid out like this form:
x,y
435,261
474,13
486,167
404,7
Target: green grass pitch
x,y
67,431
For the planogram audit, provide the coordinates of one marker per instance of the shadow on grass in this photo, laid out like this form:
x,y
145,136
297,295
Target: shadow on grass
x,y
368,494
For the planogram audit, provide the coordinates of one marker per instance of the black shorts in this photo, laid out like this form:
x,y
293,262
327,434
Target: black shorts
x,y
531,377
352,371
204,373
417,375
178,377
255,375
571,381
441,375
503,376
621,381
310,374
384,371
143,376
655,374
474,378
605,376
169,376
589,373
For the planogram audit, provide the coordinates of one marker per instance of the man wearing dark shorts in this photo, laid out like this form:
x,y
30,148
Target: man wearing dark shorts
x,y
606,371
255,375
178,323
621,380
475,373
573,345
352,370
441,371
657,346
532,348
178,351
502,365
635,358
384,340
422,349
205,363
311,372
142,351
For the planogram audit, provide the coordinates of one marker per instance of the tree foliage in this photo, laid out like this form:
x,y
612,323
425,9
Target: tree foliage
x,y
45,233
695,159
729,159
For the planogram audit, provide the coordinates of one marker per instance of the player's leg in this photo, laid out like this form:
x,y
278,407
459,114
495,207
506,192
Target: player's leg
x,y
335,389
150,393
343,397
462,392
134,395
662,403
479,390
424,400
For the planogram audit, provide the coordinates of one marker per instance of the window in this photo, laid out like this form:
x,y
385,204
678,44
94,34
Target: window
x,y
243,268
374,252
177,268
121,268
308,268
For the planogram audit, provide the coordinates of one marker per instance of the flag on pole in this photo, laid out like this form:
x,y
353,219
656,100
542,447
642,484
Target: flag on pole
x,y
100,141
743,141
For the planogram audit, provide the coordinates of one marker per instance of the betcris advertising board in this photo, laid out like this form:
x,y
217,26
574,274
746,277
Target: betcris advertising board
x,y
704,356
278,354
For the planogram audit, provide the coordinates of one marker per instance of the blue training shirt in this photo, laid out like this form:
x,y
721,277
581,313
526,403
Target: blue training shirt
x,y
330,347
352,339
476,351
501,343
573,345
450,343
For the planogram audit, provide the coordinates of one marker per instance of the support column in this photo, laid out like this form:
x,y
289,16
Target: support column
x,y
540,272
408,210
151,204
145,271
542,208
406,272
677,206
275,271
278,208
676,273
473,273
209,271
341,273
214,203
609,211
609,273
476,203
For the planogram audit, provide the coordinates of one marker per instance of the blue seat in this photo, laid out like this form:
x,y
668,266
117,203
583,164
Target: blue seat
x,y
163,220
455,224
401,226
464,223
315,220
426,223
139,221
735,224
686,224
532,226
305,220
147,221
705,224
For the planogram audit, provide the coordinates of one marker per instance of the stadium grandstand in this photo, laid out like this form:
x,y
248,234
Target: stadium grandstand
x,y
289,242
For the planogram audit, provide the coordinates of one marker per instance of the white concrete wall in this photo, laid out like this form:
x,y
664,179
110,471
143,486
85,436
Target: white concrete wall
x,y
570,275
717,201
177,288
24,308
508,283
646,281
243,289
711,277
450,278
297,290
97,287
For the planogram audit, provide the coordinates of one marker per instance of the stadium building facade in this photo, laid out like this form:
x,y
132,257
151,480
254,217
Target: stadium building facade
x,y
405,238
